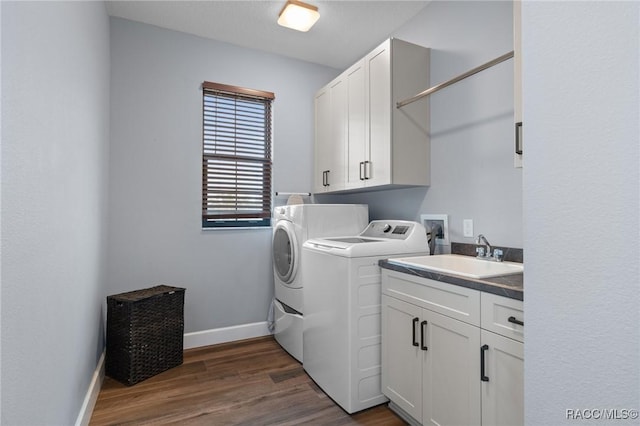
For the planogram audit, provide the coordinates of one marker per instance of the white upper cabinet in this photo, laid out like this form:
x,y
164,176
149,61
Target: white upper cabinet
x,y
322,153
377,144
378,160
358,129
517,81
330,136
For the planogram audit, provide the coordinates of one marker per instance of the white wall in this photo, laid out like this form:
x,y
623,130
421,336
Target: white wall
x,y
55,133
472,126
581,197
155,169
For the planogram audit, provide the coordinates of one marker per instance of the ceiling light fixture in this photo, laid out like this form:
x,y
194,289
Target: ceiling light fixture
x,y
298,15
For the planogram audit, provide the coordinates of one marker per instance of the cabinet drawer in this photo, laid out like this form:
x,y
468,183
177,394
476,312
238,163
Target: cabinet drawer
x,y
503,316
453,301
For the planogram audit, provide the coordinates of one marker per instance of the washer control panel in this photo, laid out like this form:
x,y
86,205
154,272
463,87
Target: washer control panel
x,y
392,229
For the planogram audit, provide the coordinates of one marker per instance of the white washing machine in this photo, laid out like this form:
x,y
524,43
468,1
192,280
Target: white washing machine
x,y
293,225
342,295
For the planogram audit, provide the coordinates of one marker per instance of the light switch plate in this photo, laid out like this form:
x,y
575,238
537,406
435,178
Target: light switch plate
x,y
467,227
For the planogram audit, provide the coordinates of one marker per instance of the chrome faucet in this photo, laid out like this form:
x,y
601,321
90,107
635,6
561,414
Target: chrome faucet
x,y
483,251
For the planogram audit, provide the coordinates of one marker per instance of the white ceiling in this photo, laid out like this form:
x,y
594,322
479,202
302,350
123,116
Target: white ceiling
x,y
345,32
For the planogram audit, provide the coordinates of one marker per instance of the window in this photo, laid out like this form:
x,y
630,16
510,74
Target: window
x,y
236,156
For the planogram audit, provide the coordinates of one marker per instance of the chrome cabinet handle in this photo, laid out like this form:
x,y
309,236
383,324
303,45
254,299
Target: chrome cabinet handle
x,y
362,177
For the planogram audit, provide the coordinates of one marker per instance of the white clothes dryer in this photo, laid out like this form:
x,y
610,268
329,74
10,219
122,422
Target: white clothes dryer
x,y
342,297
293,225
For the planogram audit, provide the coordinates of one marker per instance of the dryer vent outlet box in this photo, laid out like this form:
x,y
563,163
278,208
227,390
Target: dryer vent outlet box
x,y
439,224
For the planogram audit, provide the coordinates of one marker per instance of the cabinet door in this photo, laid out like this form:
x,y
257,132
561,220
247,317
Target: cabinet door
x,y
378,168
357,128
338,134
401,355
451,371
517,78
503,392
322,139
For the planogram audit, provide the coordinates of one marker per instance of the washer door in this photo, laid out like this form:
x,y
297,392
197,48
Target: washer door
x,y
285,251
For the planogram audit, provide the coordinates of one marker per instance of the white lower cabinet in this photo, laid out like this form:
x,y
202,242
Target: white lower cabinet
x,y
431,362
503,390
451,389
401,355
441,370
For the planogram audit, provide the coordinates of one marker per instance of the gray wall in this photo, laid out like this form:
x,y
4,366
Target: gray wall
x,y
472,173
582,208
155,169
55,97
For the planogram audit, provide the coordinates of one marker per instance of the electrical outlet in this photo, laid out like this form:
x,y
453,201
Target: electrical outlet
x,y
467,227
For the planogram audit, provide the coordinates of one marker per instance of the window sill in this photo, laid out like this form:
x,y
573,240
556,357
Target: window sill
x,y
235,228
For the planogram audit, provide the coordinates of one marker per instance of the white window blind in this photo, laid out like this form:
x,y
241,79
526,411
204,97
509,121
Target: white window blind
x,y
236,156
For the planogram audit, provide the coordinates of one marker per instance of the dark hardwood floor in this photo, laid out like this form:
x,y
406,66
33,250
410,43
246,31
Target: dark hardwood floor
x,y
251,382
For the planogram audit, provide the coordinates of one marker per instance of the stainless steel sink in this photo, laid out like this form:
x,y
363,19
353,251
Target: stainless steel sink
x,y
465,266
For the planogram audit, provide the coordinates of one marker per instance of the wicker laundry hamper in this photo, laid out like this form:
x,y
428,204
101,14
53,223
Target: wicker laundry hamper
x,y
144,333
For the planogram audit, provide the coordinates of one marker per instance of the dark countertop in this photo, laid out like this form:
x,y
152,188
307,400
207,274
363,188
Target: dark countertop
x,y
508,286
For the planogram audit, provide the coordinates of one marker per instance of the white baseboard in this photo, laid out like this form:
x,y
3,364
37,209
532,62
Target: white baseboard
x,y
92,393
226,334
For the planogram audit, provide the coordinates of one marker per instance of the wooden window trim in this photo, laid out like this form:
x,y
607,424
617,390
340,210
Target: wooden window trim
x,y
226,88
